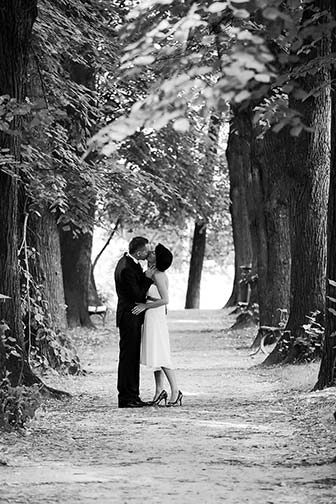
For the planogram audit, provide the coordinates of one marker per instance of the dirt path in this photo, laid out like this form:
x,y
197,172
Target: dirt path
x,y
243,435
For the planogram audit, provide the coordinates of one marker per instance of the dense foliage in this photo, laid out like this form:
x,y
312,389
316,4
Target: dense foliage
x,y
214,53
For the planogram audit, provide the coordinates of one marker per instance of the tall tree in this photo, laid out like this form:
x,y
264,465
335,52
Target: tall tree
x,y
45,267
76,249
327,371
239,160
76,243
207,172
308,171
43,186
16,22
196,265
271,202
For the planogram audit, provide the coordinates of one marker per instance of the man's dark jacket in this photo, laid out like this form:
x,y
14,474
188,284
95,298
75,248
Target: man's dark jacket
x,y
131,285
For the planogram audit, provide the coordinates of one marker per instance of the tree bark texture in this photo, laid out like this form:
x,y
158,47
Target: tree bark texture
x,y
327,371
48,269
271,198
238,155
16,22
263,208
308,171
43,233
309,201
76,265
196,266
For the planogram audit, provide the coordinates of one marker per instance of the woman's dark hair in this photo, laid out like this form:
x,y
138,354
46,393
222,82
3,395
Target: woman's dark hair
x,y
163,257
137,243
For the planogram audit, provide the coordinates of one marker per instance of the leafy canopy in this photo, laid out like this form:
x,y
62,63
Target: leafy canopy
x,y
214,53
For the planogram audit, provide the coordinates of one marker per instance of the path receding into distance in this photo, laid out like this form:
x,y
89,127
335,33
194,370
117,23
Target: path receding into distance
x,y
244,434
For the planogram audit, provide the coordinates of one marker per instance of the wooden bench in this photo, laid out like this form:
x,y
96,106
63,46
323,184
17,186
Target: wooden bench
x,y
100,310
267,335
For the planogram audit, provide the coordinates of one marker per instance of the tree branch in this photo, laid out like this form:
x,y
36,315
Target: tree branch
x,y
118,222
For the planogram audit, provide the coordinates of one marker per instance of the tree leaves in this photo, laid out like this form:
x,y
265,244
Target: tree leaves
x,y
216,7
181,125
250,68
149,74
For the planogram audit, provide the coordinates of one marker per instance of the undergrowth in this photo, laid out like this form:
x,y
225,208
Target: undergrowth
x,y
17,405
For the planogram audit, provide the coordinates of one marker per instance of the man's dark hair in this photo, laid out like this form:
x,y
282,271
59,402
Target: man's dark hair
x,y
136,244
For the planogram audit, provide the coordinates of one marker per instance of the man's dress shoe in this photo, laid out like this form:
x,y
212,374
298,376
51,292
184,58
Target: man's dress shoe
x,y
133,404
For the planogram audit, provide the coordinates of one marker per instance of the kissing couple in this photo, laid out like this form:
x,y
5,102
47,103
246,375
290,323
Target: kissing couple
x,y
142,321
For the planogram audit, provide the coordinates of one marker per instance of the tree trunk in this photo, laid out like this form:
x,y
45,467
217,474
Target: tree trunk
x,y
48,270
196,266
76,245
270,189
266,193
308,236
239,159
308,166
16,22
327,372
200,229
42,231
10,310
76,265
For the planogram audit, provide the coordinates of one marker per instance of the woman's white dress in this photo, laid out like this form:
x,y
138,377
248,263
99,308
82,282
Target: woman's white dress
x,y
155,347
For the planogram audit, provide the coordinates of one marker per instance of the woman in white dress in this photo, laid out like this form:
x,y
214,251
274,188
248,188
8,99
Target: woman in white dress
x,y
155,347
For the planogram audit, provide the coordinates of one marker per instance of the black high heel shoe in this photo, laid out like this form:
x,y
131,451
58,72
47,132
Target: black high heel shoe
x,y
178,400
163,396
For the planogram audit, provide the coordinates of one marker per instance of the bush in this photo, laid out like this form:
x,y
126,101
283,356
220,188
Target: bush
x,y
309,341
55,350
17,405
305,345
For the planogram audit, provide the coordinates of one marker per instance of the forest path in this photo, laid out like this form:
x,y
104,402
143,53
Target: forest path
x,y
243,435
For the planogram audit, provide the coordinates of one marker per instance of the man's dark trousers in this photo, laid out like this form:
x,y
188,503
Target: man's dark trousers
x,y
129,358
131,286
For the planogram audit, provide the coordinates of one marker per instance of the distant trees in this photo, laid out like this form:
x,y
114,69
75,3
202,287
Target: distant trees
x,y
238,155
186,185
196,266
274,58
206,210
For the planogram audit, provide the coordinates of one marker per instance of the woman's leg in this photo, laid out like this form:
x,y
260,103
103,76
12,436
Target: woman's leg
x,y
159,382
171,377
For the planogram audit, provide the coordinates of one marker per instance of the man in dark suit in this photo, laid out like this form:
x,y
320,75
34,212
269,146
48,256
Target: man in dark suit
x,y
131,286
